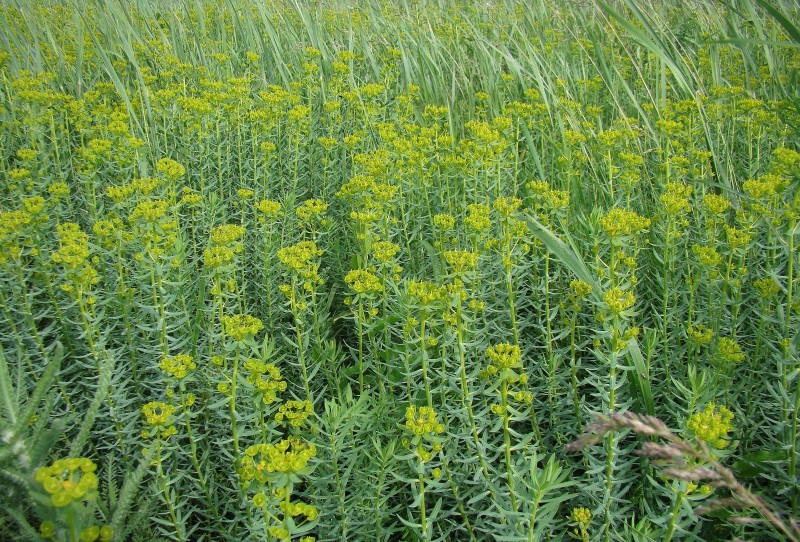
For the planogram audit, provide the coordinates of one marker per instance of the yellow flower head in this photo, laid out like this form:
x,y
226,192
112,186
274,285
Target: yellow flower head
x,y
621,222
178,366
363,282
712,425
241,327
68,480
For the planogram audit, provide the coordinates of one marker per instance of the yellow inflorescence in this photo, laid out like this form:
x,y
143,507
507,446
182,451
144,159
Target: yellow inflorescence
x,y
712,425
178,366
363,282
68,480
294,413
622,222
241,327
289,456
504,356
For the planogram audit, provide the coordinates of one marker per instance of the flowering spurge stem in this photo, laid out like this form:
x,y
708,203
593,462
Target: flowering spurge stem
x,y
507,444
466,396
180,368
158,417
366,286
506,366
578,290
794,409
241,329
274,469
423,441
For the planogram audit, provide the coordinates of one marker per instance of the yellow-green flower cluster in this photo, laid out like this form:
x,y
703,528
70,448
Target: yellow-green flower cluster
x,y
675,198
707,256
546,199
245,193
227,234
68,480
581,520
157,413
217,256
311,211
426,293
178,366
737,238
225,244
700,334
623,222
74,250
90,534
294,413
266,379
504,356
619,300
295,509
423,421
507,206
423,425
73,255
58,190
170,169
582,517
302,259
766,287
461,261
362,282
729,351
504,359
444,221
712,425
478,217
149,211
580,288
269,209
384,251
241,327
715,204
289,456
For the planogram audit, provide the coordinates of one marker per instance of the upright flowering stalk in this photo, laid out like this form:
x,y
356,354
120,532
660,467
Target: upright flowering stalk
x,y
622,228
301,262
158,419
365,287
579,290
427,298
240,330
711,426
71,484
675,204
423,441
268,214
179,370
512,245
505,366
273,470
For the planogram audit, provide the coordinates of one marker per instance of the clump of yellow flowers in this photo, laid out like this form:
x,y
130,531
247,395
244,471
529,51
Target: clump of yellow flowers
x,y
178,366
362,282
424,426
241,327
158,415
69,480
581,519
712,425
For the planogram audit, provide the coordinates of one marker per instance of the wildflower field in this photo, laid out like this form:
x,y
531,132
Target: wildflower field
x,y
407,270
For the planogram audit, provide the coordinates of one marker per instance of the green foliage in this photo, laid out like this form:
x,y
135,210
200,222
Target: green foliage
x,y
361,270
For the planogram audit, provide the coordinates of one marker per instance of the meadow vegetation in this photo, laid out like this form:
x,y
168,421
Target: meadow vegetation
x,y
360,270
